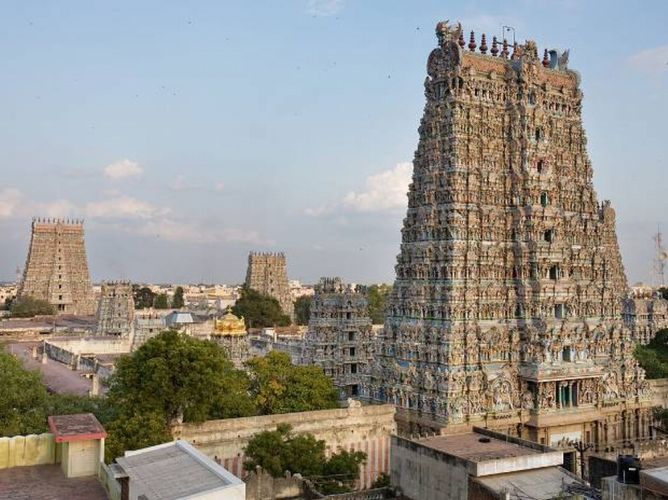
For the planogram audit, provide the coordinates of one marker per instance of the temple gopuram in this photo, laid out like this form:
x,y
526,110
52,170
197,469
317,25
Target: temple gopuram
x,y
507,307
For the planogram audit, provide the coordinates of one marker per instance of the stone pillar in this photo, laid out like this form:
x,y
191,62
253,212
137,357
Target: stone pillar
x,y
44,356
95,387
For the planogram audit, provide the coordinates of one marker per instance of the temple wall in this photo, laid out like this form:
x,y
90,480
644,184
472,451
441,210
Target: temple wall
x,y
364,428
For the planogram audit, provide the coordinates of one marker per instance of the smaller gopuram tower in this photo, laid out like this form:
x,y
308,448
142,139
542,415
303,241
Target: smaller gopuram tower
x,y
116,309
339,335
268,274
56,267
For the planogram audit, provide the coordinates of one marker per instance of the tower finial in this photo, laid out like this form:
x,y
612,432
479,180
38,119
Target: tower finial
x,y
461,41
483,44
546,59
505,51
495,47
472,44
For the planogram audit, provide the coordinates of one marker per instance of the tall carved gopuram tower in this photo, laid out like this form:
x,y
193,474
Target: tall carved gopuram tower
x,y
267,273
57,269
116,309
339,337
507,305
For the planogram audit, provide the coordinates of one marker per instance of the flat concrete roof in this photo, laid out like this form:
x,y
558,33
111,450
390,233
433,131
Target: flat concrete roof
x,y
41,482
538,484
476,447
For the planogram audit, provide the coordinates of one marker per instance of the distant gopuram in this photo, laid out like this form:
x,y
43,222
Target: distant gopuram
x,y
507,306
267,273
116,309
56,268
339,337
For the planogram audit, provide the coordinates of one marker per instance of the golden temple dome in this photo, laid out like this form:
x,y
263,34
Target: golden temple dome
x,y
230,324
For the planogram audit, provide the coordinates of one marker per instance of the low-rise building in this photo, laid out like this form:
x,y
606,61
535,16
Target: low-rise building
x,y
175,470
481,464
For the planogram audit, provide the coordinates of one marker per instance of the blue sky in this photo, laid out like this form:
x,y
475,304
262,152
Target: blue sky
x,y
188,133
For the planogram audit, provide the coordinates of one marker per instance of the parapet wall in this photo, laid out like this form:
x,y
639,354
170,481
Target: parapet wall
x,y
91,345
359,428
33,449
659,388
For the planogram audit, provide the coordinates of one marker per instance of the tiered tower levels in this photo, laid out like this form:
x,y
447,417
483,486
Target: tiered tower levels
x,y
116,309
509,285
56,267
267,273
339,337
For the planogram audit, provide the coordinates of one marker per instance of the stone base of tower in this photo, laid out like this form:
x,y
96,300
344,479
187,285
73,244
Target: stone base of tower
x,y
607,429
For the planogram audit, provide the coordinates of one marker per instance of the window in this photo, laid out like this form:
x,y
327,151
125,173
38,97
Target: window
x,y
519,311
544,199
539,134
349,315
60,297
352,351
567,354
554,273
532,97
354,390
353,368
549,235
559,311
351,336
540,166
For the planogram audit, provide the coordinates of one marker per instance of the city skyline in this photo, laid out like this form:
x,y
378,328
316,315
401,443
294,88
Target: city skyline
x,y
189,136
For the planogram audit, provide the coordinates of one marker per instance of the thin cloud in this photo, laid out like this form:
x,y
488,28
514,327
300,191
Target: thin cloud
x,y
193,232
324,8
10,199
123,207
652,61
386,191
123,169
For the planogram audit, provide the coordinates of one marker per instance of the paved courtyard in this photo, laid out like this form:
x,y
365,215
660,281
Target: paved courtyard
x,y
57,376
47,482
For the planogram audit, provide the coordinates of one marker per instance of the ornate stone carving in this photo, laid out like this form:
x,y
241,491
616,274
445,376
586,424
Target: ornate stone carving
x,y
509,266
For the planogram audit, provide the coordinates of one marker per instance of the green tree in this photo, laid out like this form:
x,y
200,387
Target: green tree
x,y
302,310
143,297
281,450
653,357
259,310
181,378
172,378
132,431
340,472
27,307
378,296
23,398
278,386
161,301
177,300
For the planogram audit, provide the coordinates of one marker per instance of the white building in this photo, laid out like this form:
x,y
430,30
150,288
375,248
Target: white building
x,y
175,470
